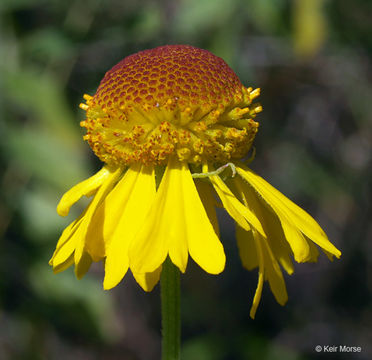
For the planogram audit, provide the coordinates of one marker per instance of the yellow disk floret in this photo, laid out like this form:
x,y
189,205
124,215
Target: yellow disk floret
x,y
173,99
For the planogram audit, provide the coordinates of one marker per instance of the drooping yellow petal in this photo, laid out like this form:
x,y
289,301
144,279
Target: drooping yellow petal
x,y
132,199
66,233
80,235
230,202
66,244
83,266
274,274
64,251
314,252
291,216
328,254
148,281
164,230
247,248
63,266
110,210
261,275
240,213
204,246
206,195
177,224
176,230
108,213
85,187
250,243
299,245
270,222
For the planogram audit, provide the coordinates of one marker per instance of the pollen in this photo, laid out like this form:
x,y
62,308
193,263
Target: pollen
x,y
172,100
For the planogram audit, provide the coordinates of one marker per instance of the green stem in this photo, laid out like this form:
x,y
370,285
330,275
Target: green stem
x,y
170,310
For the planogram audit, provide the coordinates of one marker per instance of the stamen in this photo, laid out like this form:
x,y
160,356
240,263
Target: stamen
x,y
215,172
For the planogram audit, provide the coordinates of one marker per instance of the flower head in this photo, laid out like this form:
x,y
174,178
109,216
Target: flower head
x,y
172,100
166,122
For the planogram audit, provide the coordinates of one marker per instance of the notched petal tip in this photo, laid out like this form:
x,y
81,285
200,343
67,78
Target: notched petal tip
x,y
330,255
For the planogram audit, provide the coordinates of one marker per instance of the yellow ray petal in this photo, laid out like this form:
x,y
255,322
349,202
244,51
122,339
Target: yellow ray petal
x,y
66,243
83,188
247,248
274,274
291,215
64,251
204,246
329,255
80,235
230,203
314,252
241,214
83,266
270,223
299,245
164,229
248,253
206,195
174,213
148,281
177,224
63,239
109,212
261,275
63,266
132,199
105,219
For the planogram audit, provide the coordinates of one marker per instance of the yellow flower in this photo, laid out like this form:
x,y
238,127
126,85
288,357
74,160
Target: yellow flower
x,y
167,122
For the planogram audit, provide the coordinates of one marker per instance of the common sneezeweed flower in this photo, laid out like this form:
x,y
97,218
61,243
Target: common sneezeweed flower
x,y
173,125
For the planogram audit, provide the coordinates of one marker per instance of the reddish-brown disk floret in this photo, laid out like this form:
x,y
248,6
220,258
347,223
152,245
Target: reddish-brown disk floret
x,y
172,100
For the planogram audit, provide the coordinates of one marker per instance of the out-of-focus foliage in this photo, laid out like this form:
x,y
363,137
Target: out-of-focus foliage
x,y
312,59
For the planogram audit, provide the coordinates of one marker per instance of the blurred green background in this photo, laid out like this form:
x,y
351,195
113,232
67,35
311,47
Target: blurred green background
x,y
312,60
